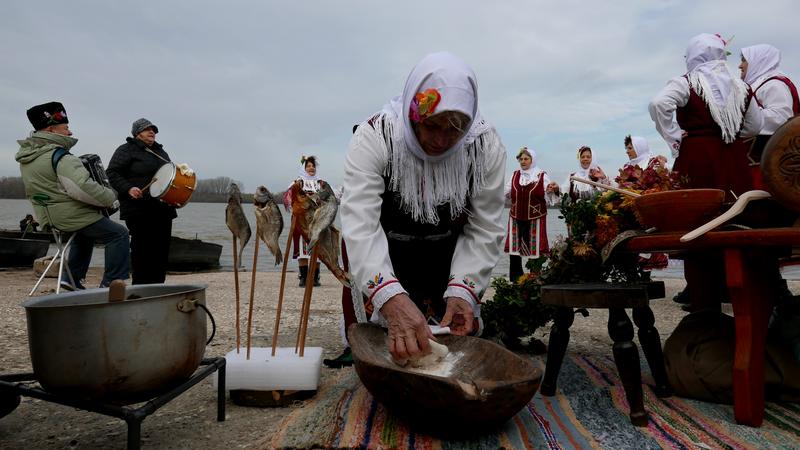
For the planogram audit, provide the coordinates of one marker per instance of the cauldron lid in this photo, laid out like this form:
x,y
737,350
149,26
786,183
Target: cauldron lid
x,y
780,164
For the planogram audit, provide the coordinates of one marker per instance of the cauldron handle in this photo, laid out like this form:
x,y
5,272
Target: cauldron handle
x,y
213,323
188,305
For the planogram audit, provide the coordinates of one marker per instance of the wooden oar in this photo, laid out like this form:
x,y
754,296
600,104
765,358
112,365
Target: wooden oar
x,y
252,294
735,209
604,186
306,310
236,281
283,285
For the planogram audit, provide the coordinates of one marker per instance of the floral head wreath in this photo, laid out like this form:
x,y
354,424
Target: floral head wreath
x,y
582,149
423,105
725,43
304,159
524,151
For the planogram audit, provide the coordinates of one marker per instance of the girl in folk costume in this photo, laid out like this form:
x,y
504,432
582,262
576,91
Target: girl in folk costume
x,y
307,176
774,93
703,115
588,171
526,233
639,154
422,206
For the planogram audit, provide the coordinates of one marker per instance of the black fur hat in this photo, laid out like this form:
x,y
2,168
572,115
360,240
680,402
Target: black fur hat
x,y
46,114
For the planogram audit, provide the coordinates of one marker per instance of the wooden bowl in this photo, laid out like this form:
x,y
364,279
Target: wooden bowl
x,y
487,386
679,210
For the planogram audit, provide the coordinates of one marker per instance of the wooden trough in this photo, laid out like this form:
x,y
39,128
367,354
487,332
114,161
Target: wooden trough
x,y
487,386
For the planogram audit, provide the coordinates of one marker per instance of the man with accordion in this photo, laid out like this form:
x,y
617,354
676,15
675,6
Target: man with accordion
x,y
75,199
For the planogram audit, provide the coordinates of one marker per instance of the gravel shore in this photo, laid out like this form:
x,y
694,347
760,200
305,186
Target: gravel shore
x,y
190,420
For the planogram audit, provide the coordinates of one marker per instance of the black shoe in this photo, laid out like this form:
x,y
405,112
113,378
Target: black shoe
x,y
67,286
302,275
343,360
682,297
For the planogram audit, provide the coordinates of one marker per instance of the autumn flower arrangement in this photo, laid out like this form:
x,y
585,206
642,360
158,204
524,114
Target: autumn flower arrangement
x,y
516,310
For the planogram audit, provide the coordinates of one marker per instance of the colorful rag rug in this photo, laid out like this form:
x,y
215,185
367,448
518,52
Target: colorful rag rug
x,y
589,411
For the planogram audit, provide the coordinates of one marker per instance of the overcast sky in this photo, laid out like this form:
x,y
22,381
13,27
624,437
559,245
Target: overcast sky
x,y
243,88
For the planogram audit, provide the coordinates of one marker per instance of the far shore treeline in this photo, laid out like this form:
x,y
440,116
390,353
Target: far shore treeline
x,y
212,190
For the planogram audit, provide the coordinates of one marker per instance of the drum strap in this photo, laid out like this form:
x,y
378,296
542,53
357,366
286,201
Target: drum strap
x,y
157,155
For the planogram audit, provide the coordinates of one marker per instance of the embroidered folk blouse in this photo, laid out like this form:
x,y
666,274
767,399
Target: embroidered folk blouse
x,y
477,249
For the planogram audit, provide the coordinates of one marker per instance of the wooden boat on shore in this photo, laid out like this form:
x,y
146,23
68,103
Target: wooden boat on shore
x,y
36,235
192,255
16,252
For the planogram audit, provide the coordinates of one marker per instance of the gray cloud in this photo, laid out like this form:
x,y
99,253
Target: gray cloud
x,y
242,88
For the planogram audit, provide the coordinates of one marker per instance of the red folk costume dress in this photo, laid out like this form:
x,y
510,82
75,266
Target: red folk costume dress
x,y
526,234
703,116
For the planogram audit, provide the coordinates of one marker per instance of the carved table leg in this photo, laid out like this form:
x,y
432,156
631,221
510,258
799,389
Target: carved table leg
x,y
752,295
651,346
556,349
626,356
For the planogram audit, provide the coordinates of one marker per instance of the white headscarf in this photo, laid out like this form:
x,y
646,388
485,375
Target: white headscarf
x,y
529,175
642,149
425,181
709,76
581,172
762,63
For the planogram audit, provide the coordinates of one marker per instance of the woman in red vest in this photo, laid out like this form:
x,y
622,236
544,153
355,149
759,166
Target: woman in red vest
x,y
703,115
527,221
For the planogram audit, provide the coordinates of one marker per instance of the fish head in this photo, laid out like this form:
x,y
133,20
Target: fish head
x,y
301,200
262,196
234,194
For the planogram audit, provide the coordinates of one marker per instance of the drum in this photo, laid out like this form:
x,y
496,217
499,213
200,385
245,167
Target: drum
x,y
172,186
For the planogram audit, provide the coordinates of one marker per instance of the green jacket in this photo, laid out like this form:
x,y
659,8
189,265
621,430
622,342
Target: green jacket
x,y
74,196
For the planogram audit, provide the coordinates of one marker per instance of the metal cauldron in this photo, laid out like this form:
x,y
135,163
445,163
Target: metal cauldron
x,y
82,345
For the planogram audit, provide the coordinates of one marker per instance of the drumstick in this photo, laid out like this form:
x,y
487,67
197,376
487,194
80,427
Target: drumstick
x,y
252,293
303,330
236,281
148,184
601,185
283,285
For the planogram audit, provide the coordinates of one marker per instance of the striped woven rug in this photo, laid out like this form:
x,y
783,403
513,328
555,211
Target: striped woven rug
x,y
589,411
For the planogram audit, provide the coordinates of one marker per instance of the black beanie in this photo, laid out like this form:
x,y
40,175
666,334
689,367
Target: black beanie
x,y
44,115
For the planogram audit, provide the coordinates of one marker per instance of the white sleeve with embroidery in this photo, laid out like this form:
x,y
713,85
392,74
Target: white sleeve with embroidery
x,y
776,101
367,247
478,247
662,110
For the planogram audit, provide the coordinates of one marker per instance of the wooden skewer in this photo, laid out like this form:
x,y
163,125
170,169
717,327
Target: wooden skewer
x,y
601,185
252,293
283,285
236,281
303,329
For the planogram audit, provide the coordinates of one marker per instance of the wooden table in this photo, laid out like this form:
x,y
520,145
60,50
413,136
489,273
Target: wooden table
x,y
750,264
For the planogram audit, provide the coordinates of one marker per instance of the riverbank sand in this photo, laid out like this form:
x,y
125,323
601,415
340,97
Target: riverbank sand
x,y
190,420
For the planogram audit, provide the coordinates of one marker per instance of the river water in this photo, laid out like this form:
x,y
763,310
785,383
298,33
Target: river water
x,y
206,221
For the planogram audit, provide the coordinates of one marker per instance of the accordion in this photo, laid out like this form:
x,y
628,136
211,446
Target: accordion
x,y
94,165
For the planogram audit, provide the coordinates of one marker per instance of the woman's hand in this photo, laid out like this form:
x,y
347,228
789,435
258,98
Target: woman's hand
x,y
135,192
458,316
552,187
597,174
408,330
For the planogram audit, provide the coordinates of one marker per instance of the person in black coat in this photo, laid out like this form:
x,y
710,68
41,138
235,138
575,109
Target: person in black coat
x,y
149,220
